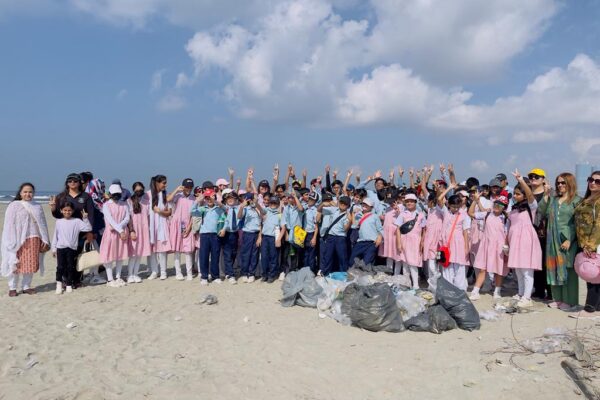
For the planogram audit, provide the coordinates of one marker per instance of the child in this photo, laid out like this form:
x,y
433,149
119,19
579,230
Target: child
x,y
292,216
490,254
64,245
210,245
180,227
312,232
250,237
159,226
139,231
455,235
334,236
433,234
389,248
525,252
369,234
229,234
270,239
410,244
115,240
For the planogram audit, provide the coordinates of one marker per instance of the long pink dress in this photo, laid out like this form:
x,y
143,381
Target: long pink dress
x,y
458,254
525,250
490,256
112,247
159,227
141,225
477,228
411,242
433,233
388,248
182,209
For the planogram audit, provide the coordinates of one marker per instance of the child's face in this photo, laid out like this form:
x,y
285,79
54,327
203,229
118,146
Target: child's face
x,y
160,186
498,209
336,188
454,208
357,199
27,193
366,208
518,195
187,191
210,201
305,197
343,207
230,201
311,202
67,212
410,205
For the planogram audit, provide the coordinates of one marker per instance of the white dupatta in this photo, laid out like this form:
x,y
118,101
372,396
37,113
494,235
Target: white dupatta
x,y
14,234
158,223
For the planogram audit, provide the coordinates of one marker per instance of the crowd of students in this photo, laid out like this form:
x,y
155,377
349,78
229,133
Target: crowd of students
x,y
423,225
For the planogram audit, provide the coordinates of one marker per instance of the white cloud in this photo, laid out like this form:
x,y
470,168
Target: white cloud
x,y
171,102
587,148
479,166
534,137
156,81
122,93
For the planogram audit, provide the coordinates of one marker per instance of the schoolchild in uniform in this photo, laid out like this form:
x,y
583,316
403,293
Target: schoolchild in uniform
x,y
180,228
229,234
210,246
370,234
270,239
250,248
333,241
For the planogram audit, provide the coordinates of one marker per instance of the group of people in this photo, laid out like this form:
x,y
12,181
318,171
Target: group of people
x,y
544,233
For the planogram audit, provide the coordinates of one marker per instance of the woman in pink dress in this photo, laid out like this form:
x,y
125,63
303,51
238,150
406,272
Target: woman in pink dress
x,y
159,226
139,231
432,236
525,252
388,248
180,228
410,245
115,247
490,257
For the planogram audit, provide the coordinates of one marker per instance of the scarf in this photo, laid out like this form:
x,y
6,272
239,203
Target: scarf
x,y
158,223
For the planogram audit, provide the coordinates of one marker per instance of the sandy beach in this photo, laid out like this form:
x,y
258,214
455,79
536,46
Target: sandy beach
x,y
155,340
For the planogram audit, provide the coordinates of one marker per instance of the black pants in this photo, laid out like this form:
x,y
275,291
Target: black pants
x,y
540,284
592,301
66,269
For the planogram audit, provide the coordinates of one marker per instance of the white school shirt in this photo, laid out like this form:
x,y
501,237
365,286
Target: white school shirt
x,y
66,233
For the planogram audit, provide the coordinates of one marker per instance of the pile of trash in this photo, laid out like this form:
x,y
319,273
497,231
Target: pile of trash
x,y
369,297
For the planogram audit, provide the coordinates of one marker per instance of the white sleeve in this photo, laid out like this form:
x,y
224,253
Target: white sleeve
x,y
533,205
423,221
480,215
84,225
55,237
399,220
110,219
466,223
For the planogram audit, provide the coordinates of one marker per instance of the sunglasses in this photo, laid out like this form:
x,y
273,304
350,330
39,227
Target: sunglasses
x,y
560,183
534,176
591,180
73,181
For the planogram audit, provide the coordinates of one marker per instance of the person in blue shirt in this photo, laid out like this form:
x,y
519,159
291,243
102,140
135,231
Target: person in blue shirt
x,y
333,240
251,220
210,245
270,239
292,215
229,234
356,214
311,227
369,234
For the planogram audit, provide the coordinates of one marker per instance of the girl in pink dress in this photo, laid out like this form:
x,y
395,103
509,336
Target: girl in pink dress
x,y
139,231
410,245
115,247
455,235
525,252
159,226
388,248
432,236
490,257
180,227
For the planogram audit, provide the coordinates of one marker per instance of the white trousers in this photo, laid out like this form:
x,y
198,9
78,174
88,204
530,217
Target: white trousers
x,y
13,281
118,266
456,275
525,281
189,263
413,272
395,265
133,267
159,260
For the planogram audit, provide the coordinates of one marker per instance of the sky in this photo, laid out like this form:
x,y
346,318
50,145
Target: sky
x,y
188,88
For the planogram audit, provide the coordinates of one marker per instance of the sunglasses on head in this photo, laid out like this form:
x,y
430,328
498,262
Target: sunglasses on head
x,y
534,176
591,180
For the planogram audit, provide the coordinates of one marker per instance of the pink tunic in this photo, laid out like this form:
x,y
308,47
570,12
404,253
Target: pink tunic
x,y
411,242
458,254
159,228
477,228
433,233
112,247
388,248
490,256
141,225
181,217
525,250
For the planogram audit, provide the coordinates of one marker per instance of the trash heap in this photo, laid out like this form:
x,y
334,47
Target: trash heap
x,y
369,297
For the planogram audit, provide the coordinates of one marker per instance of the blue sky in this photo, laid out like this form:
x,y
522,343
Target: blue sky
x,y
93,85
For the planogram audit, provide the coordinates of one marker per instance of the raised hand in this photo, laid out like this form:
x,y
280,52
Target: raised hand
x,y
377,174
231,171
517,175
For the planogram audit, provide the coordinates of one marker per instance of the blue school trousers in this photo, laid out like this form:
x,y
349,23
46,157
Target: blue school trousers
x,y
310,253
364,250
333,245
210,247
269,257
249,254
230,245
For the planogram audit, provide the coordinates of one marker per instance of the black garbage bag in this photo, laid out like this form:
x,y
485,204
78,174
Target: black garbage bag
x,y
359,268
435,320
458,305
300,288
372,307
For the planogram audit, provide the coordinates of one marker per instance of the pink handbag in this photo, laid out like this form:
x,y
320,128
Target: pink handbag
x,y
588,268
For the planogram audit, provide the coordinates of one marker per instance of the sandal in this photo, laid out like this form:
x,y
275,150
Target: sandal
x,y
12,293
29,291
555,304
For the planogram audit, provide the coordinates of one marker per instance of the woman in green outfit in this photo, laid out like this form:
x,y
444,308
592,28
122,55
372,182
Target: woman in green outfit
x,y
561,238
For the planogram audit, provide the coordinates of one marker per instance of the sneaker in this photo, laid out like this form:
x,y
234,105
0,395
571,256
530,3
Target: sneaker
x,y
163,277
189,277
497,296
250,279
58,287
112,284
121,282
244,279
218,280
516,297
152,276
232,281
97,280
137,279
179,277
204,282
474,296
69,289
525,303
131,279
282,276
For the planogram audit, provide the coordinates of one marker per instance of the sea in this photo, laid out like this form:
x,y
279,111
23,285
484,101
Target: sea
x,y
42,197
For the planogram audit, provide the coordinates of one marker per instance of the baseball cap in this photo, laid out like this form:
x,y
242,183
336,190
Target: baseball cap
x,y
187,183
495,182
227,191
368,202
249,196
410,196
207,185
209,192
114,189
464,193
313,196
264,182
327,197
222,181
501,177
538,172
74,176
350,187
502,200
117,181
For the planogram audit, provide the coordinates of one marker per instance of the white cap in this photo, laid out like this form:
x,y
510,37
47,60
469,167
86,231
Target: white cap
x,y
221,181
368,202
114,189
226,191
464,193
410,196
